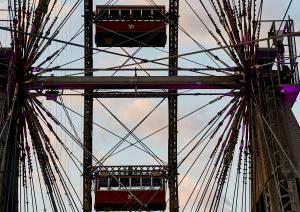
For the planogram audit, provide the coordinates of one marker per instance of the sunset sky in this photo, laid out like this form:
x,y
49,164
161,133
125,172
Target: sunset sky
x,y
131,111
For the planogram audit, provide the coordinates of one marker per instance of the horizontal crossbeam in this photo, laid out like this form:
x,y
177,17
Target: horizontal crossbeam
x,y
141,82
131,94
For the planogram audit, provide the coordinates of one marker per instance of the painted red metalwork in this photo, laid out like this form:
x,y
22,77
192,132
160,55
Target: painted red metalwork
x,y
130,26
124,201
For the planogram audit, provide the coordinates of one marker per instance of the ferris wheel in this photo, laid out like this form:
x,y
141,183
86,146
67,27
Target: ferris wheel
x,y
148,106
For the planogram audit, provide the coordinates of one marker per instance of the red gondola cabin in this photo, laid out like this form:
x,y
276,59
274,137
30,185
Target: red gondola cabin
x,y
130,188
130,26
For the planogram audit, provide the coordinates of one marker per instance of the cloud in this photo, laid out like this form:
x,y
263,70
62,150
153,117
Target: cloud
x,y
130,112
134,111
185,189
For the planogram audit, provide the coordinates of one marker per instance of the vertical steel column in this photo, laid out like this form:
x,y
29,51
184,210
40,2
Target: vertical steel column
x,y
9,167
172,103
88,108
9,152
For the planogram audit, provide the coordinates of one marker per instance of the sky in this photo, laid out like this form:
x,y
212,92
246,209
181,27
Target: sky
x,y
131,111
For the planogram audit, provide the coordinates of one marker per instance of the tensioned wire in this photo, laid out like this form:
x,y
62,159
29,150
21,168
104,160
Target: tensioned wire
x,y
151,134
156,48
131,132
82,58
184,54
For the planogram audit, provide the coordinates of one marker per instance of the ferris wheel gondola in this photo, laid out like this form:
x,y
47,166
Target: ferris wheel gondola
x,y
130,26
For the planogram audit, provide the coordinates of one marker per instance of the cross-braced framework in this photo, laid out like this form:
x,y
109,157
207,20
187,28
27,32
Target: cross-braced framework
x,y
203,125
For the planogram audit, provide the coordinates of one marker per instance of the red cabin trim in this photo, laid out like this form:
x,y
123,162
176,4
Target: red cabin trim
x,y
123,200
130,26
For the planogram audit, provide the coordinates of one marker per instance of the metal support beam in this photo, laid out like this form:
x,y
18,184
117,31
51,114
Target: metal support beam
x,y
274,186
130,94
9,152
146,82
9,165
172,103
88,108
153,94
